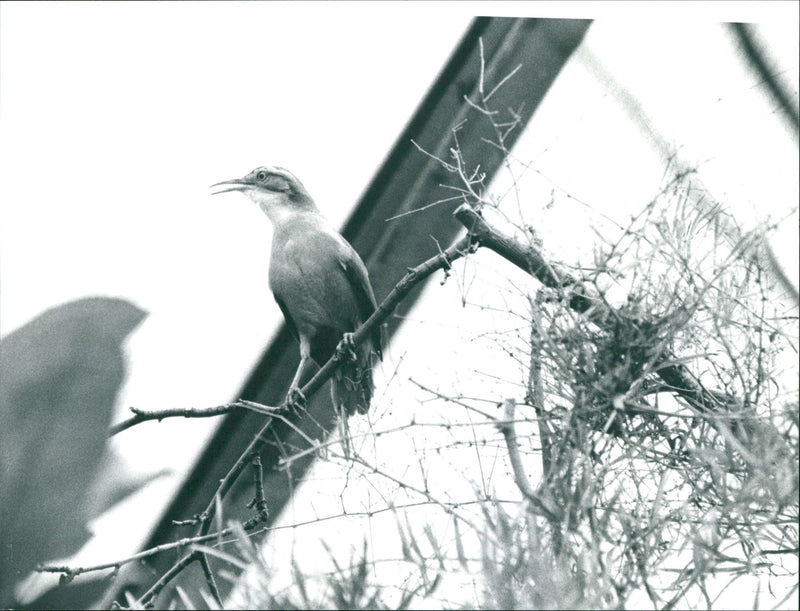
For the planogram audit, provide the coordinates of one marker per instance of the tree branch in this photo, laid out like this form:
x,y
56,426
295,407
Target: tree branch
x,y
188,412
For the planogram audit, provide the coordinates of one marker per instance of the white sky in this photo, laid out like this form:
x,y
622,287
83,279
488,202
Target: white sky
x,y
115,118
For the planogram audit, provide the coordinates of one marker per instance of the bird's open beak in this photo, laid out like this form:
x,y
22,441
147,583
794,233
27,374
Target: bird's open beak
x,y
237,184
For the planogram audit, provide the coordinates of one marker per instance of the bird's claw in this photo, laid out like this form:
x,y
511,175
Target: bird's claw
x,y
345,350
295,399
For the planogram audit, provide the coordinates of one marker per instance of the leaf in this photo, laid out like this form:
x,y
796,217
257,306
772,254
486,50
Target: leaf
x,y
59,378
114,482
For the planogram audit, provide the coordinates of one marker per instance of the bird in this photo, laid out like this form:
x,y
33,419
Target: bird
x,y
320,284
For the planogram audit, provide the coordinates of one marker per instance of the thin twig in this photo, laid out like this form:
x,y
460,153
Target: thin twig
x,y
259,502
536,387
188,412
115,564
209,575
509,434
501,83
147,598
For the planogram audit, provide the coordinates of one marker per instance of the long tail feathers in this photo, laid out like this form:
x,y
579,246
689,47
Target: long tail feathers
x,y
351,385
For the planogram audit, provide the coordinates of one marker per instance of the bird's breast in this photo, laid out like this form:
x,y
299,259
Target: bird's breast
x,y
306,275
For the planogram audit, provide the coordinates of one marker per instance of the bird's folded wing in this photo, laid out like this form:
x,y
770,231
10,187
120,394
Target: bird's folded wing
x,y
357,277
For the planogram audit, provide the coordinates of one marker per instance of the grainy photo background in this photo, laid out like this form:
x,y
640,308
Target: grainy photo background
x,y
116,118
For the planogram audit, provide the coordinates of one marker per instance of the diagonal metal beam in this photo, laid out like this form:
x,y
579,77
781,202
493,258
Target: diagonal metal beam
x,y
407,180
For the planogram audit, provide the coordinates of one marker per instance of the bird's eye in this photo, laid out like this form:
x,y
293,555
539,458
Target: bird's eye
x,y
261,176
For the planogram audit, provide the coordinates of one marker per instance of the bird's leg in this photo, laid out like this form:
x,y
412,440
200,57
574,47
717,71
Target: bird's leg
x,y
344,434
345,350
294,397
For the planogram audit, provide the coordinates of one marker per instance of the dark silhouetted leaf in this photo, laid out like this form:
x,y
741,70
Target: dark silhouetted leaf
x,y
59,377
115,482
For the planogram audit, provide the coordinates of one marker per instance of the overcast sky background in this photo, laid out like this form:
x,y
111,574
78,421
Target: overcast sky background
x,y
116,117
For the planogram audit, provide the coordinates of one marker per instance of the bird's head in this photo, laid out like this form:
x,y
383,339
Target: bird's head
x,y
276,190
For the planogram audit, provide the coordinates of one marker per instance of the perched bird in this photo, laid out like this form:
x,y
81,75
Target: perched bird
x,y
319,282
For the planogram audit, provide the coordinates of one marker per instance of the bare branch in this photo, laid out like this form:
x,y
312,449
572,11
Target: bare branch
x,y
188,412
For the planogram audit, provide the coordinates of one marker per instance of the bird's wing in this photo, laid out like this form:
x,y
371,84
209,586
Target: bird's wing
x,y
357,277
